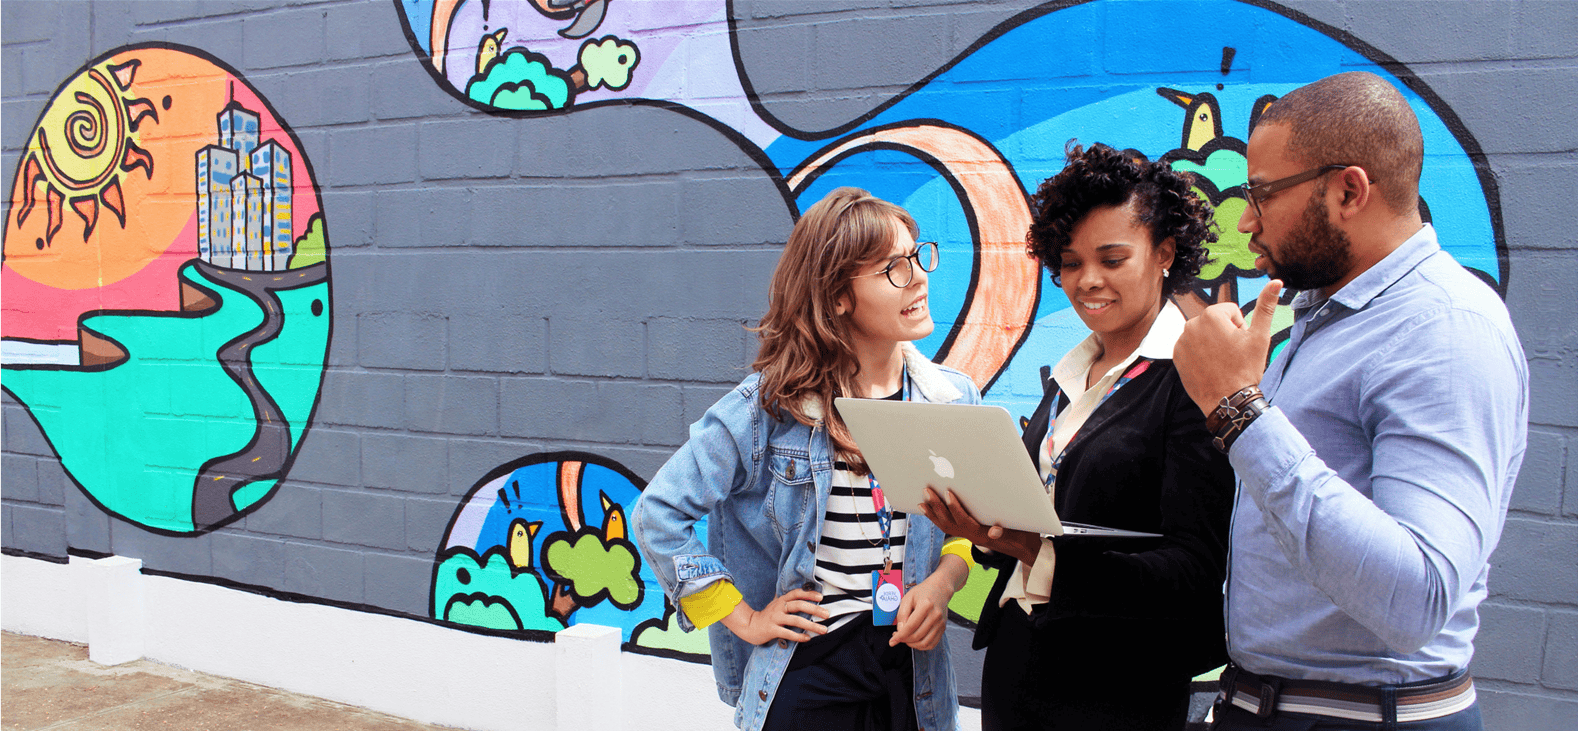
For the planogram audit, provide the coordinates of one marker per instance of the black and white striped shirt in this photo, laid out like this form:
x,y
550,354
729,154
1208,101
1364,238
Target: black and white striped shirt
x,y
850,547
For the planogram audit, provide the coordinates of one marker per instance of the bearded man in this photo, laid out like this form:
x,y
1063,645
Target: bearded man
x,y
1377,453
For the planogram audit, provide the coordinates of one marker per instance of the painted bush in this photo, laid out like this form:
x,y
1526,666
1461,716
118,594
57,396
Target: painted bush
x,y
541,544
166,288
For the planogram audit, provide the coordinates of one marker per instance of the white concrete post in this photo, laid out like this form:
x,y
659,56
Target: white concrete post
x,y
116,621
590,682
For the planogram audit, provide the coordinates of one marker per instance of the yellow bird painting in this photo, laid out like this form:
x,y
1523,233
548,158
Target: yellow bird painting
x,y
520,542
613,519
489,48
1203,117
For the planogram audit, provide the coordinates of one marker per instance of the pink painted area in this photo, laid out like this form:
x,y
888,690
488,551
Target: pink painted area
x,y
41,312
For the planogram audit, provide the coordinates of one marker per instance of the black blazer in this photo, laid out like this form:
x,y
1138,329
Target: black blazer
x,y
1150,607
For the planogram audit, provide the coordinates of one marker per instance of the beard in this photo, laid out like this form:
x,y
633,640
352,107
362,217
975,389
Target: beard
x,y
1316,254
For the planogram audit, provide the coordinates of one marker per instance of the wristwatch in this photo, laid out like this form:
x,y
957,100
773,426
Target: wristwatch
x,y
1233,415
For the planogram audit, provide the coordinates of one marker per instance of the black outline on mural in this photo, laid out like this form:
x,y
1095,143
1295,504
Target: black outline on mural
x,y
443,554
960,194
312,176
657,624
605,593
756,154
482,561
1397,69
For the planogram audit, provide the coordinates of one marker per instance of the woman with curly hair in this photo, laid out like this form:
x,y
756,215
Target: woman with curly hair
x,y
1085,632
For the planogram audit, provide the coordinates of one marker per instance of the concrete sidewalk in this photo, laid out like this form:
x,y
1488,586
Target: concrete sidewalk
x,y
47,684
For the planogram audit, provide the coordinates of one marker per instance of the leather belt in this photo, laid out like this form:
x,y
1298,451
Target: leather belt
x,y
1264,695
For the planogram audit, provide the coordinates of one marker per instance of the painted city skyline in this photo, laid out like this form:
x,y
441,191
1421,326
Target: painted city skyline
x,y
244,196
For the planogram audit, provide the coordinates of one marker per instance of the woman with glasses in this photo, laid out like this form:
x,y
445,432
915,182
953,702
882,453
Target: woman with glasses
x,y
1106,633
797,533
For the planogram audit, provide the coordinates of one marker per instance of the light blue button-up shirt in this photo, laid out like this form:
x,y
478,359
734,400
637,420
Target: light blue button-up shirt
x,y
1373,492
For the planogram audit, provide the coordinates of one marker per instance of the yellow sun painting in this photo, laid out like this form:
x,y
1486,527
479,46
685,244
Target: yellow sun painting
x,y
84,145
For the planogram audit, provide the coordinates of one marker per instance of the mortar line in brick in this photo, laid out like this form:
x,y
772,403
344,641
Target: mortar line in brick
x,y
1510,686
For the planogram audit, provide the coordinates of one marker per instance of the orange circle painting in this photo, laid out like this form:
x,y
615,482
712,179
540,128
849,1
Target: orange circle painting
x,y
165,288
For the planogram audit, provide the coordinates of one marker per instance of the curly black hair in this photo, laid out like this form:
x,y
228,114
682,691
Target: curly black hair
x,y
1101,176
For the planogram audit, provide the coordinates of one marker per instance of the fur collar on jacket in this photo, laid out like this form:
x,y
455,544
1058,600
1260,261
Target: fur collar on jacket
x,y
928,379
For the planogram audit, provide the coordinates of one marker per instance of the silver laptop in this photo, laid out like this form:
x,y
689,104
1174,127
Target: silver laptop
x,y
976,451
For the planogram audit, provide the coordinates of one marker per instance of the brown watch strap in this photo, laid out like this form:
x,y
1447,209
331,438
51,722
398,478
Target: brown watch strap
x,y
1234,414
1229,406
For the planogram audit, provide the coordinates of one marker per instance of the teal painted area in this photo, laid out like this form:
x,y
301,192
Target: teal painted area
x,y
290,367
134,436
460,576
1224,168
521,79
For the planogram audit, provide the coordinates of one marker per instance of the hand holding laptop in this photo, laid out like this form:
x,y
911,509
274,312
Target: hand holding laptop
x,y
967,449
955,519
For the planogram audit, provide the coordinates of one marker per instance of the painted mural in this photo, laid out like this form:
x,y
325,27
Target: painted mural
x,y
961,148
166,288
540,544
166,292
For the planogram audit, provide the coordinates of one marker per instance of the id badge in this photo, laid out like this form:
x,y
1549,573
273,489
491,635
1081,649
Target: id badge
x,y
887,590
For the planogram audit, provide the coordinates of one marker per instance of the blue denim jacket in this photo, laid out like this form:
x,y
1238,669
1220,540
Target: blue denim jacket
x,y
763,484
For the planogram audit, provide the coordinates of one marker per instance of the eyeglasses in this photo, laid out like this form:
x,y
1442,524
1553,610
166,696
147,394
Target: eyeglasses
x,y
924,256
1258,193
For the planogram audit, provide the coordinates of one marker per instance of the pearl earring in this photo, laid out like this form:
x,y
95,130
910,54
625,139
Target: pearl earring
x,y
1166,273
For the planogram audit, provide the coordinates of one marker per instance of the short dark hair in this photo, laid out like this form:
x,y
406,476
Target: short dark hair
x,y
1356,118
1101,176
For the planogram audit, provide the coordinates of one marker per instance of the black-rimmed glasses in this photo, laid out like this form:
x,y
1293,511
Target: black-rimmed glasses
x,y
924,256
1258,193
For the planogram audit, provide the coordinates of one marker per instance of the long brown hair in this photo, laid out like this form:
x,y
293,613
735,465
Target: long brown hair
x,y
806,347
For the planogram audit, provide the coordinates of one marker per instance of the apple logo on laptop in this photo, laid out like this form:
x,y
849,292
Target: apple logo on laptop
x,y
942,465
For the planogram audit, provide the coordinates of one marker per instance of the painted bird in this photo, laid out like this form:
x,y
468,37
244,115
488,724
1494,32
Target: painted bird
x,y
1258,108
1203,117
520,549
489,48
613,519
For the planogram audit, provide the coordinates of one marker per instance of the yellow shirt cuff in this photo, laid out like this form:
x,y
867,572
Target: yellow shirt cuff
x,y
959,547
711,604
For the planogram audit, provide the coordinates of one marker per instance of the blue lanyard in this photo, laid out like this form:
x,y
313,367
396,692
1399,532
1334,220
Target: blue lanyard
x,y
878,500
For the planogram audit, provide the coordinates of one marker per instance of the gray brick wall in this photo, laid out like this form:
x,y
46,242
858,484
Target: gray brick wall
x,y
580,282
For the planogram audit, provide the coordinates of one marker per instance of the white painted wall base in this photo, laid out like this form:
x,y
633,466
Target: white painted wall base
x,y
116,621
403,667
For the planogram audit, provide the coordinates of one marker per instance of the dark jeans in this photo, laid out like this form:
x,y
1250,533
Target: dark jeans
x,y
847,680
1027,684
1232,718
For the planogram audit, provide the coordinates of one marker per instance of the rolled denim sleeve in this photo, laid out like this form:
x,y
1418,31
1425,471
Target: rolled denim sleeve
x,y
714,462
1445,428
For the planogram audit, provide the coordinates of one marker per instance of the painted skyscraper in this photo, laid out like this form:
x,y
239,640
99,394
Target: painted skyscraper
x,y
216,167
244,196
271,164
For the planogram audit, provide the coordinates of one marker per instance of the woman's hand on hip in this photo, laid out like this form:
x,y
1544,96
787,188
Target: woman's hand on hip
x,y
779,619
